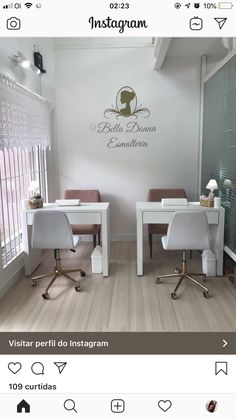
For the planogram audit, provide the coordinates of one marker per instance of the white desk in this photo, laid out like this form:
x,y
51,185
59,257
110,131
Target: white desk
x,y
86,213
155,213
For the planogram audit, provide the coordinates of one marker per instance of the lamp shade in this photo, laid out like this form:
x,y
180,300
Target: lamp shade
x,y
227,184
212,185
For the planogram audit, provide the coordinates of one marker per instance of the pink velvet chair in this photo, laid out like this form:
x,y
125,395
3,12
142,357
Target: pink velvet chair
x,y
156,195
86,195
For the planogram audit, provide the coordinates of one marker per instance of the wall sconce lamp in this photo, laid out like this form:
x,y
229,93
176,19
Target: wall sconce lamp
x,y
38,61
212,185
228,186
20,60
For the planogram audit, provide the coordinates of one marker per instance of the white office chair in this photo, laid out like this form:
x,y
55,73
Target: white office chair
x,y
186,231
52,230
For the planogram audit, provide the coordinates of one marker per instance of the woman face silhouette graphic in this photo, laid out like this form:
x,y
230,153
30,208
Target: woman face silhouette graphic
x,y
126,97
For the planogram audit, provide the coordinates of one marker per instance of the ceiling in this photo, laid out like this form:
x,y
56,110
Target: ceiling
x,y
178,48
103,42
196,47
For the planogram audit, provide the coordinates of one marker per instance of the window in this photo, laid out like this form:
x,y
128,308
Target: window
x,y
18,166
25,132
219,144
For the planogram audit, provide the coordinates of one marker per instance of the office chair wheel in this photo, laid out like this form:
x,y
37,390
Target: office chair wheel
x,y
33,282
158,281
77,288
45,296
206,294
177,270
82,274
174,296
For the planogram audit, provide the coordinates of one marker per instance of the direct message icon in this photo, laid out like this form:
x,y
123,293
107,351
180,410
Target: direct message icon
x,y
221,21
164,405
14,367
61,366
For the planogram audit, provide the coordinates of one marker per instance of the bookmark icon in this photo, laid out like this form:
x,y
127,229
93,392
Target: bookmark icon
x,y
61,366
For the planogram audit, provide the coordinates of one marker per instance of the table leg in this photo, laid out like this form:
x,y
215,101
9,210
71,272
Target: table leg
x,y
220,243
139,243
32,256
105,243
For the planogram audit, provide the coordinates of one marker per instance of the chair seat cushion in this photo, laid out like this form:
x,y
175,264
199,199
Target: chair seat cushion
x,y
188,230
81,229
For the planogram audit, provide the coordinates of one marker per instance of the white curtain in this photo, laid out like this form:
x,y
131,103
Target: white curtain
x,y
25,117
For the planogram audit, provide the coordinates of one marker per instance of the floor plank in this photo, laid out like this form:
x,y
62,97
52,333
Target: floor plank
x,y
121,302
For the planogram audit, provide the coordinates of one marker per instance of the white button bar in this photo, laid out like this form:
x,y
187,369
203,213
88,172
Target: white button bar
x,y
122,373
73,18
107,406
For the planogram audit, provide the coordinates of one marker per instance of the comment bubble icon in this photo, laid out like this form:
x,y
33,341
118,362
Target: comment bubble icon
x,y
37,368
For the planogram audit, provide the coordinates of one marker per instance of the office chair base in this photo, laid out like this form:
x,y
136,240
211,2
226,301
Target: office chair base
x,y
183,274
158,279
174,295
57,274
58,271
36,278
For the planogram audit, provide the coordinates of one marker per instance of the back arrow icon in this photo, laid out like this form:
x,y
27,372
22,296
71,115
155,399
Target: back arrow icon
x,y
225,343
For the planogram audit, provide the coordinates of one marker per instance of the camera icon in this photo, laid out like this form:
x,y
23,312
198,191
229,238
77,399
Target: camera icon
x,y
13,24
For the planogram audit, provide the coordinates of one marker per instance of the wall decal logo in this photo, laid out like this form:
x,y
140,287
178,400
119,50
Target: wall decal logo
x,y
126,105
130,131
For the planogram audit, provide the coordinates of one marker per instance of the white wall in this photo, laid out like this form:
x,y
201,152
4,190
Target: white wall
x,y
87,82
10,46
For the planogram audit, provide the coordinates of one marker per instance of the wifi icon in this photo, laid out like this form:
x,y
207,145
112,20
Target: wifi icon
x,y
28,5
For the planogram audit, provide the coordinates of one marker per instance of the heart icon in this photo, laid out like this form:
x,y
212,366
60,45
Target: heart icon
x,y
164,405
14,367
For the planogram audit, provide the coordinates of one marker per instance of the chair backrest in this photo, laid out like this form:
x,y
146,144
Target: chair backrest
x,y
51,230
188,230
85,195
156,195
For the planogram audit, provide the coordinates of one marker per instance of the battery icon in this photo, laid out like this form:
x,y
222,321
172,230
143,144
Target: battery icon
x,y
225,5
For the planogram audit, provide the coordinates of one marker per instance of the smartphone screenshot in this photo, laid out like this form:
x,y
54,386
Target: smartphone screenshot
x,y
117,209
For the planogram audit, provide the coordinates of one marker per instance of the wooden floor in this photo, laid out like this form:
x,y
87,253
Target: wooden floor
x,y
121,302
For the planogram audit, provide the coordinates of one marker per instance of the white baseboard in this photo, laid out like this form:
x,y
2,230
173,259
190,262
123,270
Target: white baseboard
x,y
8,282
16,272
115,238
123,237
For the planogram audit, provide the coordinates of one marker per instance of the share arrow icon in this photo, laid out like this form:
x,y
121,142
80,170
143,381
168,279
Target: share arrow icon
x,y
221,21
60,366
